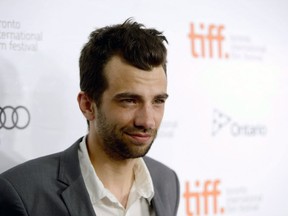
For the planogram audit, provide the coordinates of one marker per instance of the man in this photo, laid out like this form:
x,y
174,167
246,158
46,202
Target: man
x,y
123,91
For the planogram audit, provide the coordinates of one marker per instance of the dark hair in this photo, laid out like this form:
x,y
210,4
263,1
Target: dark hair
x,y
141,47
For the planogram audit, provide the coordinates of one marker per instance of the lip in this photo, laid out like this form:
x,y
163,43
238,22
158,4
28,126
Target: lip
x,y
140,137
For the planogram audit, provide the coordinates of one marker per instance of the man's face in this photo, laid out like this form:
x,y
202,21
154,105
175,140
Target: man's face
x,y
131,111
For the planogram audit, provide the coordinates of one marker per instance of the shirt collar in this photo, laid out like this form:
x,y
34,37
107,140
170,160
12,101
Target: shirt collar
x,y
143,184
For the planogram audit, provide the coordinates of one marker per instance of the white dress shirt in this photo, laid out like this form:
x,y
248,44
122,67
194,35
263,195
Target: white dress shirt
x,y
104,202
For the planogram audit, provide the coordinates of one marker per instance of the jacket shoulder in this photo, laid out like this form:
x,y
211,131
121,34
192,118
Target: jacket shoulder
x,y
36,172
37,183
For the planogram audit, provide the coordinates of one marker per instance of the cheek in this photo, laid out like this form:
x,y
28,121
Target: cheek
x,y
159,118
158,115
122,118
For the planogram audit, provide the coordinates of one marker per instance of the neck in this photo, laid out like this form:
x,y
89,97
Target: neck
x,y
116,175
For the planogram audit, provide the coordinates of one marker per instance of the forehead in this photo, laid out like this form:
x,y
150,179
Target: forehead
x,y
123,77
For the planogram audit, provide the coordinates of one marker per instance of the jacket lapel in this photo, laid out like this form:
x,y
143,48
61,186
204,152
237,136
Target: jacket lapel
x,y
75,195
77,200
157,201
158,205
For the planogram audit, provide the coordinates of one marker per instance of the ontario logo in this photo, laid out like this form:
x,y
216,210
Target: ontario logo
x,y
223,122
203,198
207,41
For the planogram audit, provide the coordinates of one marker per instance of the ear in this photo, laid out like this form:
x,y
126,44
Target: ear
x,y
86,105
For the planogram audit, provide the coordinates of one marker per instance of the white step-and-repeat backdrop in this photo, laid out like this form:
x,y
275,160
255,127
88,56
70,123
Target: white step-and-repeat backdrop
x,y
226,121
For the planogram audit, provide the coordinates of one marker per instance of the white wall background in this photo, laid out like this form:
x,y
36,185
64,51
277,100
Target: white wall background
x,y
225,127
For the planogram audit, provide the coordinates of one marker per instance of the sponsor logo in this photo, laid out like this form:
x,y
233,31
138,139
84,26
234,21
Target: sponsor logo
x,y
203,199
207,41
221,120
14,117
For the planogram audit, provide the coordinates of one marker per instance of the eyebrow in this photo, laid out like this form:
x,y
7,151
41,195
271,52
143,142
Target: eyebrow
x,y
164,96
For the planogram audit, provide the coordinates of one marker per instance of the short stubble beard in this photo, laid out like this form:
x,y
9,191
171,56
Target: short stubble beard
x,y
114,143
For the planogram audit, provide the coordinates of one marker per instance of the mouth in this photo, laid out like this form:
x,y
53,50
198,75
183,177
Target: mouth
x,y
140,138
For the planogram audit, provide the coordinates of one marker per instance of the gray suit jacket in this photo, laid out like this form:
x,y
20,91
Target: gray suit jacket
x,y
53,186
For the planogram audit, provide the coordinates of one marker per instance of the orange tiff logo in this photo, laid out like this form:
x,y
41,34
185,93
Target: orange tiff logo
x,y
208,43
203,199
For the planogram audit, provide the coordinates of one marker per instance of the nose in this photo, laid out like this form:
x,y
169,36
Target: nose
x,y
145,117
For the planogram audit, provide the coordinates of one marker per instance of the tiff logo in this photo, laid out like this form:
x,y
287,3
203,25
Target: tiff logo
x,y
203,199
208,42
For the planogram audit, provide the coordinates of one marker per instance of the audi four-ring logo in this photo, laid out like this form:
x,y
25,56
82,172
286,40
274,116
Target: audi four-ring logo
x,y
14,117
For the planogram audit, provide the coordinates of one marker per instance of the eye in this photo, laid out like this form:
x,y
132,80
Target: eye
x,y
159,100
128,101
